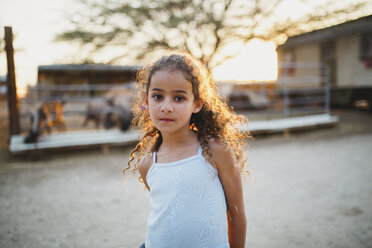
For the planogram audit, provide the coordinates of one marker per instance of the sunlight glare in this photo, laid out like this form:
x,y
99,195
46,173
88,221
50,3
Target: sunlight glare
x,y
257,61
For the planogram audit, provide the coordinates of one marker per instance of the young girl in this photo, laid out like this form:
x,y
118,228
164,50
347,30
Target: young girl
x,y
190,157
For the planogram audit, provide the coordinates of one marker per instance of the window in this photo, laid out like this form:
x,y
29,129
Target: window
x,y
328,57
288,56
328,51
366,49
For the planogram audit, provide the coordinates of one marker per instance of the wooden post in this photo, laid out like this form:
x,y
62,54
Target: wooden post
x,y
13,103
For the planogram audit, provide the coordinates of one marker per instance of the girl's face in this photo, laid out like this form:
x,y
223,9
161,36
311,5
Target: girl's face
x,y
171,101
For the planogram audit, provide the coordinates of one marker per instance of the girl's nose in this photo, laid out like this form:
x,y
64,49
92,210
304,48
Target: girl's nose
x,y
166,106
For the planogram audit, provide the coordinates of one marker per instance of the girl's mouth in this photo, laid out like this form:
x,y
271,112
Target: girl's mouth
x,y
166,120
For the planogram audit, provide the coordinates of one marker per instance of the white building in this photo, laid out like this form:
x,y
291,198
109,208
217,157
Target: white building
x,y
346,49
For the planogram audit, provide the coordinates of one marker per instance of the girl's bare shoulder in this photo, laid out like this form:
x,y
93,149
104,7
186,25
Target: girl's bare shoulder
x,y
221,153
145,163
144,166
217,146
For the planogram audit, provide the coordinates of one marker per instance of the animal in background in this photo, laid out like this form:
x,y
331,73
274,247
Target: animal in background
x,y
47,116
95,111
112,110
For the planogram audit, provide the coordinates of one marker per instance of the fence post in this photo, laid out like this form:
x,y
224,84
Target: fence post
x,y
327,88
13,103
285,91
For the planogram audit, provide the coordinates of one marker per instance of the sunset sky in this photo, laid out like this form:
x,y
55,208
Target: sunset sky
x,y
35,24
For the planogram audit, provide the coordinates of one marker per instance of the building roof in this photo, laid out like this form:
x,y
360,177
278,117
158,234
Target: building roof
x,y
87,67
358,26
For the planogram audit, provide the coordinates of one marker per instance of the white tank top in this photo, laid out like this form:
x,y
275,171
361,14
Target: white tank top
x,y
188,205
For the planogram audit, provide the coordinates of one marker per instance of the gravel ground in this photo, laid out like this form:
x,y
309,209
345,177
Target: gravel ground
x,y
308,189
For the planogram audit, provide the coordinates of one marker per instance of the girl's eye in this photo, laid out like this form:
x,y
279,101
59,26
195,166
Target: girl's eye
x,y
179,98
157,97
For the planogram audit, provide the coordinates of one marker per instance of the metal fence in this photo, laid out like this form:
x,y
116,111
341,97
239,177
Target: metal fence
x,y
302,88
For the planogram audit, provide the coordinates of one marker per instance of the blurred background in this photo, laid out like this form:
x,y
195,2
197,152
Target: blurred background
x,y
300,70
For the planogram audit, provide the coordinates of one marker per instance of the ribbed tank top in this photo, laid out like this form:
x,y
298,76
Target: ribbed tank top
x,y
188,205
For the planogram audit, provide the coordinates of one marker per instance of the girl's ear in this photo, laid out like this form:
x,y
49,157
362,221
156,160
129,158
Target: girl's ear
x,y
198,106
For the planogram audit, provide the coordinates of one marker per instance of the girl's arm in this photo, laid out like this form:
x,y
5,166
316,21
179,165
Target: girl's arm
x,y
230,177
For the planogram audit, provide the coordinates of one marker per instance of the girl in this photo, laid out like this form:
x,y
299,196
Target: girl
x,y
190,157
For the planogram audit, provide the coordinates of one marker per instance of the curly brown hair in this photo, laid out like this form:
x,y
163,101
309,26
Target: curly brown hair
x,y
215,120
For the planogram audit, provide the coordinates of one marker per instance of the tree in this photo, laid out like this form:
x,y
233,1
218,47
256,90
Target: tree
x,y
205,28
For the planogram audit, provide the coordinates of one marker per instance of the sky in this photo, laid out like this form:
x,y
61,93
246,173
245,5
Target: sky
x,y
35,24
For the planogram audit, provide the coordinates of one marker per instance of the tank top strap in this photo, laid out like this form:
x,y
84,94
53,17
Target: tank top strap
x,y
154,157
200,151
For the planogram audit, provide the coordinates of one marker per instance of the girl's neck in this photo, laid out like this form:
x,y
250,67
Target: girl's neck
x,y
180,140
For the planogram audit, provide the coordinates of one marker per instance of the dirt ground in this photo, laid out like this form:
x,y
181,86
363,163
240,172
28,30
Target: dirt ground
x,y
308,189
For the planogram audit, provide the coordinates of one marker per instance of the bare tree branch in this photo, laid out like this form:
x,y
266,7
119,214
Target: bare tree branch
x,y
204,28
